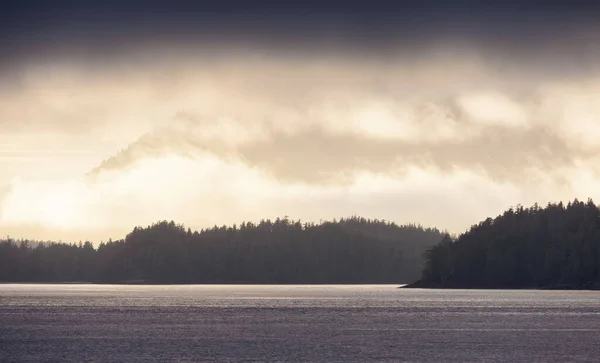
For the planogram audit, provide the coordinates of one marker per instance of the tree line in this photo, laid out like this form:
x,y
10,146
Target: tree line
x,y
351,250
553,247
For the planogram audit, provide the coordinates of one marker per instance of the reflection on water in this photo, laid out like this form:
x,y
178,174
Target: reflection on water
x,y
298,322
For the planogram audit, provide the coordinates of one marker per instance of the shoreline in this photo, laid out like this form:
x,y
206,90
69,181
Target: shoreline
x,y
564,287
199,283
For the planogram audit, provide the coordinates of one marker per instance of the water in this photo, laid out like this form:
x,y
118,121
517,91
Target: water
x,y
106,323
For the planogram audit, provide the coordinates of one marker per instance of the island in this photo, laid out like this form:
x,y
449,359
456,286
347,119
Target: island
x,y
552,247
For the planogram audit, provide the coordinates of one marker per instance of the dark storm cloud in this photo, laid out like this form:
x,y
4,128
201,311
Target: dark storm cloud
x,y
34,29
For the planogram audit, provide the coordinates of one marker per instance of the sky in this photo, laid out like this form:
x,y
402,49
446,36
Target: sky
x,y
118,114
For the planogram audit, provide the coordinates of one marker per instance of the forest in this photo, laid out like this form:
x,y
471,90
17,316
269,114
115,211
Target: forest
x,y
553,247
283,251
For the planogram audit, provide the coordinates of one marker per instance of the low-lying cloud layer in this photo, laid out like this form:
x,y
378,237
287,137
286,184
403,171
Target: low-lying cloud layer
x,y
445,138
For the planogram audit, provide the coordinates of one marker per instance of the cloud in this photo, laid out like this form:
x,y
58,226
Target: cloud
x,y
253,135
492,109
380,137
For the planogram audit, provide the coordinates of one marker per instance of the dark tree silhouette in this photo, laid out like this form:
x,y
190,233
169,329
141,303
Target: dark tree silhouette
x,y
351,250
552,247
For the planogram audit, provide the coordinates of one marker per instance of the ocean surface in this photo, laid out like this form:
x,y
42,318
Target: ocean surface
x,y
310,323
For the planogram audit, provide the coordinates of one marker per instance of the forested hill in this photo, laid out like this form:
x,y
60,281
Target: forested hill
x,y
553,247
352,250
